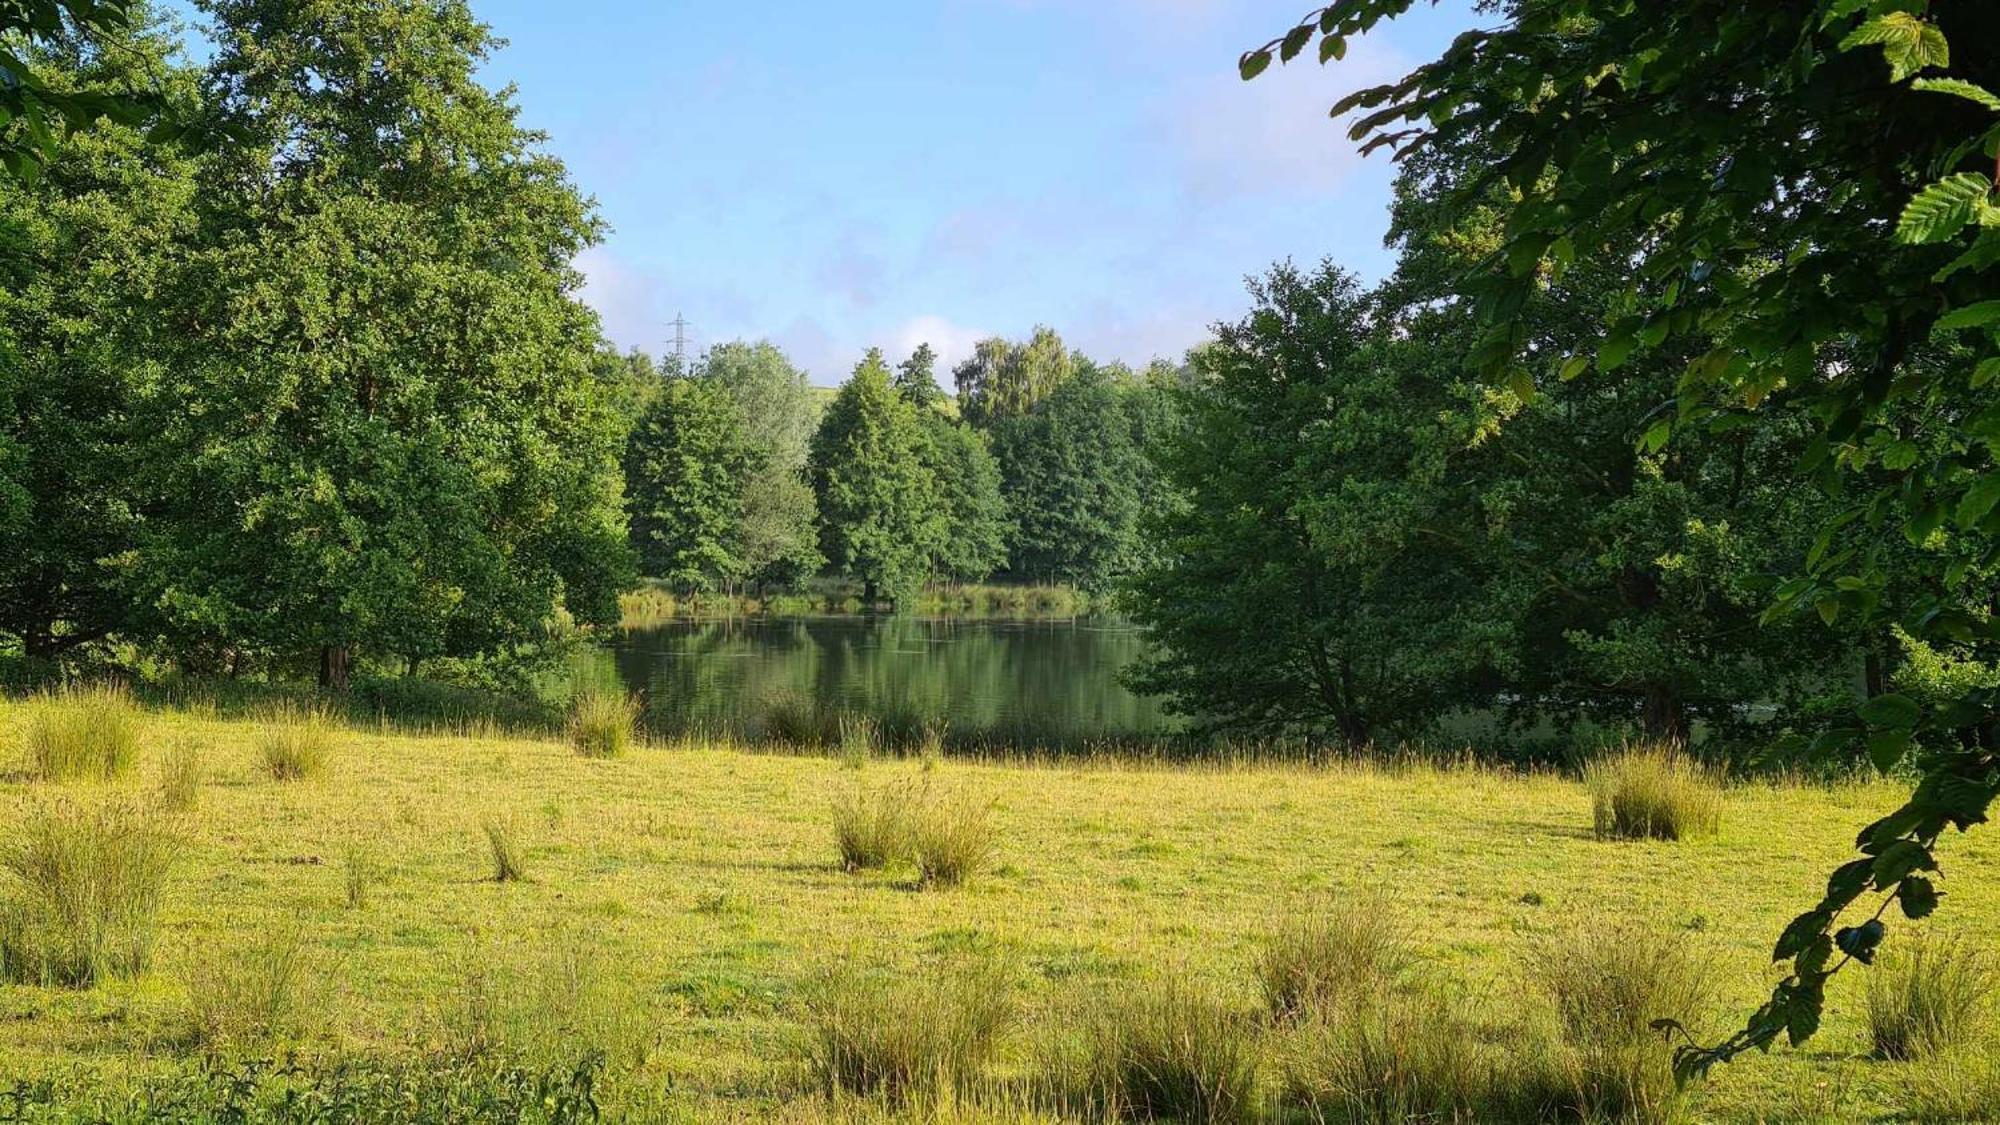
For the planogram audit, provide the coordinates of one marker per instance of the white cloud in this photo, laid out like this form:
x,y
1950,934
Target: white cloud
x,y
952,342
626,299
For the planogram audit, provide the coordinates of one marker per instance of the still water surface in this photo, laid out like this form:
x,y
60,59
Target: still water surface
x,y
1043,682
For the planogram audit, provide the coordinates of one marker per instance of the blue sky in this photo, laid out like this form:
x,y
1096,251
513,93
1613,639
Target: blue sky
x,y
834,177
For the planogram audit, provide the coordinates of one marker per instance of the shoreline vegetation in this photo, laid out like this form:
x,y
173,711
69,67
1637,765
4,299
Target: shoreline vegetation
x,y
654,603
559,926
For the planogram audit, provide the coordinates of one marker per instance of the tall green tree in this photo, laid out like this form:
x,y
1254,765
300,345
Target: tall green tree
x,y
82,247
777,536
1002,380
973,538
44,101
1825,172
880,520
382,434
916,379
686,465
1073,479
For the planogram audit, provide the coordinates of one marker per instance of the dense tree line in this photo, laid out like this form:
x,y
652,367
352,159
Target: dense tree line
x,y
1036,470
307,387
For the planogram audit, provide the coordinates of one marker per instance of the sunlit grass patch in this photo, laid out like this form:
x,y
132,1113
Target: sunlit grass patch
x,y
271,988
1608,983
294,742
1652,792
180,776
1333,958
601,722
80,892
1169,1050
504,848
952,837
906,1036
1926,996
80,731
871,830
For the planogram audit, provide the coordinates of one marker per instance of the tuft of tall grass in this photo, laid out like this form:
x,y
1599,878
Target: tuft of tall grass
x,y
295,742
551,1001
1927,997
858,736
80,892
181,775
601,722
1172,1050
1608,983
509,858
952,838
1652,792
266,990
81,731
872,830
1960,1085
904,1038
1333,959
359,868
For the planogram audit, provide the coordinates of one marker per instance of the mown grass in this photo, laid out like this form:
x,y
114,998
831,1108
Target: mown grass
x,y
686,900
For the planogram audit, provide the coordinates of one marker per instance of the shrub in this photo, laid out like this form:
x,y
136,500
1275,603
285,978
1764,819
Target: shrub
x,y
181,774
1333,959
1608,984
1170,1051
81,893
263,991
509,862
872,830
952,838
601,722
81,732
1926,998
1652,792
904,1038
295,742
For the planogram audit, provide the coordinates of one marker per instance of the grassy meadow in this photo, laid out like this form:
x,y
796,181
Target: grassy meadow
x,y
338,893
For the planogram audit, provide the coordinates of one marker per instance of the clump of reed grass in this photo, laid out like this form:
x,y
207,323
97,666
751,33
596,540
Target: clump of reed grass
x,y
81,732
1333,959
1927,997
872,830
360,871
295,742
266,990
1172,1050
858,735
551,1002
1608,984
1960,1085
1652,792
509,858
81,892
904,1038
952,838
181,775
601,722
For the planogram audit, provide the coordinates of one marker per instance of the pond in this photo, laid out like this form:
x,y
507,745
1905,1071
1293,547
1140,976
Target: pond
x,y
1048,683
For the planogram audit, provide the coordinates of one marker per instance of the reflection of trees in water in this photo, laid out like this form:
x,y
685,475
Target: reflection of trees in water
x,y
986,681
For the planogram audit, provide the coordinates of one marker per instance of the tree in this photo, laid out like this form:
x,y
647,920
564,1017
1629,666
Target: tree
x,y
916,379
777,534
382,432
1003,380
879,516
968,497
1294,592
1072,478
50,107
1824,171
686,465
81,246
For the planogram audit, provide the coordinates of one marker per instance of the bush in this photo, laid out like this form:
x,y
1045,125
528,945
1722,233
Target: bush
x,y
1652,792
1333,959
601,722
1926,998
923,1037
81,732
509,862
295,742
952,838
262,992
181,774
1170,1051
872,830
1608,984
81,894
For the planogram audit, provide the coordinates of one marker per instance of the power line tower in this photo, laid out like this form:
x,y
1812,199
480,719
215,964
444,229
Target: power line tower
x,y
680,342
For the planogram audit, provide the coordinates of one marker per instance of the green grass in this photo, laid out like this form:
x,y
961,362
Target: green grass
x,y
80,732
921,1037
1653,793
1927,997
601,722
80,889
686,901
296,742
1334,957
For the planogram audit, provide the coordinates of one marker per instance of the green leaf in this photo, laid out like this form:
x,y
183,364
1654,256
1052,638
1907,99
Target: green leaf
x,y
1959,88
1971,316
1656,436
1253,64
1984,373
1978,501
1578,364
1295,41
1616,349
1944,208
1900,859
1860,942
1918,897
1886,748
1333,48
1908,43
1891,710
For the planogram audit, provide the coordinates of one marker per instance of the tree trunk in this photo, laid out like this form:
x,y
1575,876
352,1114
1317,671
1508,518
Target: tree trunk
x,y
333,670
1662,717
868,591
